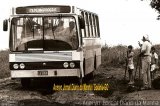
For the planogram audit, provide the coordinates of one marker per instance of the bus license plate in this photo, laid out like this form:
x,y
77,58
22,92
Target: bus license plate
x,y
42,72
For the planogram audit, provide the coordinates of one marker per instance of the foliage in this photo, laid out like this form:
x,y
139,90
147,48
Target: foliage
x,y
155,4
4,64
114,56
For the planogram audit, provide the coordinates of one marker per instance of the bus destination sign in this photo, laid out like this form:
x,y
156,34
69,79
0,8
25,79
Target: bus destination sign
x,y
42,9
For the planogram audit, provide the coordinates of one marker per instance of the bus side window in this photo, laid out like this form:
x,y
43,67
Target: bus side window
x,y
87,25
96,27
83,31
90,25
97,23
93,26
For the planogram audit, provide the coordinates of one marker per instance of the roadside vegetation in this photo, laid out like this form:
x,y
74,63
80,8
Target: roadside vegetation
x,y
4,64
116,56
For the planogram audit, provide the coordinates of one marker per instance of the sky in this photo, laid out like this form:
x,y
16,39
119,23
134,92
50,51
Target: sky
x,y
121,21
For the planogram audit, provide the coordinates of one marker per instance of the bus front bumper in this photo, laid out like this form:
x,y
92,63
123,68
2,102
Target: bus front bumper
x,y
45,73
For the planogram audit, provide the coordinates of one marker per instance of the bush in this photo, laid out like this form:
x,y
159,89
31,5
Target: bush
x,y
116,56
4,64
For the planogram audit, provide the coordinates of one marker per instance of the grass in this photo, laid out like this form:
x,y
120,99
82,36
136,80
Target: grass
x,y
4,64
114,56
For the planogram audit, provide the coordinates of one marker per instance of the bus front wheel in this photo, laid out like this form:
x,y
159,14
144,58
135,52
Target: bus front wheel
x,y
25,83
80,79
80,82
95,63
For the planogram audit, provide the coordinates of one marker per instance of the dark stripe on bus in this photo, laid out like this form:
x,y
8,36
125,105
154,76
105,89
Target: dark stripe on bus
x,y
44,65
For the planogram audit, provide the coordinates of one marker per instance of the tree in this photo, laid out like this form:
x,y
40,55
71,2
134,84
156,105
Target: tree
x,y
156,5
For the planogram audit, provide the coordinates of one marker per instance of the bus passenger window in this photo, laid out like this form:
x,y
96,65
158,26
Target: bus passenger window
x,y
97,23
83,31
90,26
93,26
87,25
96,30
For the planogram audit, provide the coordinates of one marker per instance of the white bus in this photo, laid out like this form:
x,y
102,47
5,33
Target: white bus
x,y
48,41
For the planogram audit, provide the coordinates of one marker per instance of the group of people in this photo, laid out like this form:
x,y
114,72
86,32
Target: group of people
x,y
148,63
67,34
69,31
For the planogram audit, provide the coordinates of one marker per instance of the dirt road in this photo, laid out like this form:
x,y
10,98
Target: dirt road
x,y
12,93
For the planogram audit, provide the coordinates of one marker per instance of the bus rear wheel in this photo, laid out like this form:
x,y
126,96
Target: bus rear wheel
x,y
25,82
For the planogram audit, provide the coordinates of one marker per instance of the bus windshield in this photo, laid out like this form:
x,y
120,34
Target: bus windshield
x,y
43,33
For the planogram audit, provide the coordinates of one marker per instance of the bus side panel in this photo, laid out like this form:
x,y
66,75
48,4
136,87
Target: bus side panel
x,y
92,54
98,58
88,55
89,62
97,52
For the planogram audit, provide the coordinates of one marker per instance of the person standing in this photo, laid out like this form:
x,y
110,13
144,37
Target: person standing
x,y
154,62
146,60
130,64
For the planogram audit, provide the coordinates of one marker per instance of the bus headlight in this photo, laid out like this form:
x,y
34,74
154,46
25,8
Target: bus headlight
x,y
72,65
65,64
22,66
15,66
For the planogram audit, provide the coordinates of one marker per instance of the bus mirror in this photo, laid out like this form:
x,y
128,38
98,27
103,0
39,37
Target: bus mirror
x,y
5,25
82,23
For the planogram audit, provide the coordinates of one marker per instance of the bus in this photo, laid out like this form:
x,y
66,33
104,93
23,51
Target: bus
x,y
50,41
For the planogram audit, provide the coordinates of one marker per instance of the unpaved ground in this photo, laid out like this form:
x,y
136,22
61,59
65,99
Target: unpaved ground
x,y
12,93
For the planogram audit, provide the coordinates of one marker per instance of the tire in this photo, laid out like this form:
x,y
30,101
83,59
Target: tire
x,y
25,83
95,64
156,83
92,74
80,81
84,66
